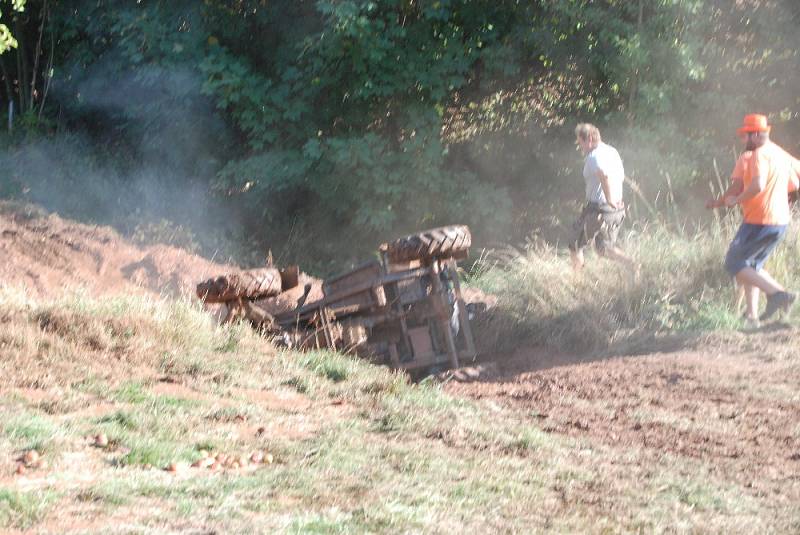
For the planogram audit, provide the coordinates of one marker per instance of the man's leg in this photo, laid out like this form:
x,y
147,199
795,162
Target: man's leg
x,y
615,253
576,255
750,248
607,242
584,233
752,294
777,297
767,277
738,296
750,277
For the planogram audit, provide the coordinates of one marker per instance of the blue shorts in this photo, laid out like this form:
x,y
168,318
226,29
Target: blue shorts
x,y
752,246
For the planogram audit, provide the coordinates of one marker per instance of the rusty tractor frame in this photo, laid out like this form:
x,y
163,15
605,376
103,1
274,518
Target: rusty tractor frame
x,y
407,316
405,310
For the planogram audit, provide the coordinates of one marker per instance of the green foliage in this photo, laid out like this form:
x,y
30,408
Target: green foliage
x,y
339,122
644,52
7,40
150,452
131,392
361,142
351,124
262,109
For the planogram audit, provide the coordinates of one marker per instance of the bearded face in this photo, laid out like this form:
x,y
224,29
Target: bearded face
x,y
753,140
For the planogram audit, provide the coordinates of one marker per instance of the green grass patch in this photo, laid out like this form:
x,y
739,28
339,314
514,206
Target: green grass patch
x,y
21,510
230,414
332,366
173,403
138,393
530,439
31,431
121,419
92,385
300,384
152,451
30,428
131,392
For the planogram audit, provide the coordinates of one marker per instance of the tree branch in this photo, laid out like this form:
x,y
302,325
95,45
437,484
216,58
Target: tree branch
x,y
48,73
36,56
22,66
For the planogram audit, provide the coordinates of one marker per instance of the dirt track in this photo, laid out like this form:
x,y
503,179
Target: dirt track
x,y
662,403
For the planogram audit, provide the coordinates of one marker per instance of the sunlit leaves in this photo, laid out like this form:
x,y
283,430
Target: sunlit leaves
x,y
7,40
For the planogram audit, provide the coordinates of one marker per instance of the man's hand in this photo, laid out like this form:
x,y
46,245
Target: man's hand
x,y
731,200
617,205
713,203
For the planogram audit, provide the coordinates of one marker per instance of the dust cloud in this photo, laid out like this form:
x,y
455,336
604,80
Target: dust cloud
x,y
138,151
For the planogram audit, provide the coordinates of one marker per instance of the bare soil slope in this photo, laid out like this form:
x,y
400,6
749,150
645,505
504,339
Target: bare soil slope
x,y
48,255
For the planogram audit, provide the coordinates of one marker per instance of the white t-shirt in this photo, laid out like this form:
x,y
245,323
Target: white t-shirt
x,y
607,158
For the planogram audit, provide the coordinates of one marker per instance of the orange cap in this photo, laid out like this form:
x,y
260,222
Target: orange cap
x,y
754,122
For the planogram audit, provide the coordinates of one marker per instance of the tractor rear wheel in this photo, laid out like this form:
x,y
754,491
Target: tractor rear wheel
x,y
247,284
442,242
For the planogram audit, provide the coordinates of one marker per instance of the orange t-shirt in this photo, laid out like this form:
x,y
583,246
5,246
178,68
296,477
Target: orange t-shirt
x,y
781,171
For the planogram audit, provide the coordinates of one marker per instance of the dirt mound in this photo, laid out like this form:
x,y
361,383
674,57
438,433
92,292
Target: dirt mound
x,y
49,255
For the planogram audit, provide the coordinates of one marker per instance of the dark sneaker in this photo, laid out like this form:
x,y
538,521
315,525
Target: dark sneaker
x,y
777,301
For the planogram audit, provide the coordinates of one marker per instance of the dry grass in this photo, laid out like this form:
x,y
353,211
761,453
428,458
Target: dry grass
x,y
682,289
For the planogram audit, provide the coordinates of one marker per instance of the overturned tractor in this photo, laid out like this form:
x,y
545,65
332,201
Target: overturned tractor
x,y
405,310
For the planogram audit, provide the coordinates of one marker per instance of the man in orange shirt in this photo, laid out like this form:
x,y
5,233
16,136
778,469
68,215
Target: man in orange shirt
x,y
761,180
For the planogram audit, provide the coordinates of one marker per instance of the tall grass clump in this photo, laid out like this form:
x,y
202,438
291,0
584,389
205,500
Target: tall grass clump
x,y
681,287
76,336
22,510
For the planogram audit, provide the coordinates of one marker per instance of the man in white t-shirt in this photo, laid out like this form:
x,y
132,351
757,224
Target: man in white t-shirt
x,y
604,212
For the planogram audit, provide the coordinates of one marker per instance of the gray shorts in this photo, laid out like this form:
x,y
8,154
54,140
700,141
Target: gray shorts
x,y
752,245
599,224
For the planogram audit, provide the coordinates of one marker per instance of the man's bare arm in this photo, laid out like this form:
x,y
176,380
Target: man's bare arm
x,y
736,187
756,186
615,203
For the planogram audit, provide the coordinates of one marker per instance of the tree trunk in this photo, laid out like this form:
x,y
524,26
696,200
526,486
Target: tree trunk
x,y
22,66
6,80
37,54
48,77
